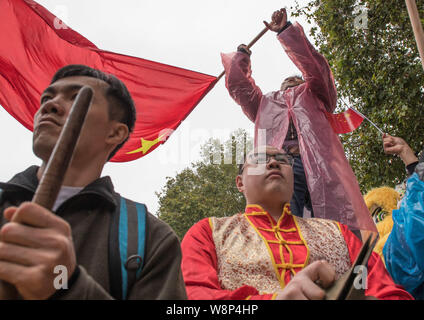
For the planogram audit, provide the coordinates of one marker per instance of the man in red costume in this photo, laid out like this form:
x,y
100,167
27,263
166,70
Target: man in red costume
x,y
268,253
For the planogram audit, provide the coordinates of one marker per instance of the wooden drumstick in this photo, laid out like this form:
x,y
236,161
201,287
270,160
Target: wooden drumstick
x,y
55,171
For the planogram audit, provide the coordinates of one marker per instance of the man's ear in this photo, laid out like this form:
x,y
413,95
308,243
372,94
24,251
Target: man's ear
x,y
239,183
117,134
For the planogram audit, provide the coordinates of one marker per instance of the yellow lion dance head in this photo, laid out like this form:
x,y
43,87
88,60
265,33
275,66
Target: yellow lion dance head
x,y
380,202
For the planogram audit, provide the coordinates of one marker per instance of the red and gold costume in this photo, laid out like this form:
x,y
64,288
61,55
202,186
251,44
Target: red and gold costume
x,y
250,256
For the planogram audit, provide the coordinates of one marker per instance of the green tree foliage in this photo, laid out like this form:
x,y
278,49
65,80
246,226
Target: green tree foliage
x,y
208,187
378,71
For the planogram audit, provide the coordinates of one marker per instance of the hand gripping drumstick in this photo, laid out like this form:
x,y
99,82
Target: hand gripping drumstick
x,y
56,168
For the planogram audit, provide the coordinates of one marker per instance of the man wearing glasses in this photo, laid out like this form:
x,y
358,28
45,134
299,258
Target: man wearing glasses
x,y
268,253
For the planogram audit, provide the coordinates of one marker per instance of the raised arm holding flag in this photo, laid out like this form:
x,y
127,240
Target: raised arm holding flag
x,y
295,118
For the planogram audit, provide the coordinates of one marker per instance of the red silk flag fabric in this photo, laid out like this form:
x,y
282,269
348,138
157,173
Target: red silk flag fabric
x,y
344,122
34,44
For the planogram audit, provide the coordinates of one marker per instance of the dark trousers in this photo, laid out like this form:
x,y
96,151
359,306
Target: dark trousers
x,y
301,197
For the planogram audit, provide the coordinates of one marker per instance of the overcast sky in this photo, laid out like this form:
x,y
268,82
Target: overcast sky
x,y
188,34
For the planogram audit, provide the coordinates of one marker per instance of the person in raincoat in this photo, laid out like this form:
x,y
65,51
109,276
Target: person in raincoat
x,y
321,168
404,248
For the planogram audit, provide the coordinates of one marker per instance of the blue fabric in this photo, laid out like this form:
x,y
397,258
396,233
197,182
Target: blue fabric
x,y
141,215
301,197
404,249
123,240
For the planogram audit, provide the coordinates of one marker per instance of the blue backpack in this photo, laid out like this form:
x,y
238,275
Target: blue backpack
x,y
127,238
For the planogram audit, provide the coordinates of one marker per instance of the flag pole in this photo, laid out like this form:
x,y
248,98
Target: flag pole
x,y
416,27
251,43
363,116
366,118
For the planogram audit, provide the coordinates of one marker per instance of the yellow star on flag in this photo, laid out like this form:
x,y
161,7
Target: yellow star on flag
x,y
146,145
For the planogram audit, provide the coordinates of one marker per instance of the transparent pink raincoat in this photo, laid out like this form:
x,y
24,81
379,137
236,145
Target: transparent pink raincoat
x,y
334,190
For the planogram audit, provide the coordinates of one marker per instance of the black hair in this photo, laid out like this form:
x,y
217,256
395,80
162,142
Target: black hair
x,y
240,169
298,76
121,105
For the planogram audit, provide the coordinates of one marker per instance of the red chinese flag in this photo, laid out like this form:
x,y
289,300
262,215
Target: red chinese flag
x,y
34,44
344,122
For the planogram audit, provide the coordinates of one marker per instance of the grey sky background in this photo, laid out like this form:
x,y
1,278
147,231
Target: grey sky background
x,y
188,34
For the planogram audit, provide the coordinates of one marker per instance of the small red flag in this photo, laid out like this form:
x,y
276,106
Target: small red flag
x,y
344,122
34,44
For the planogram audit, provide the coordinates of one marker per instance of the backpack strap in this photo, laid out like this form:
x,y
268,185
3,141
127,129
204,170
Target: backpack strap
x,y
126,246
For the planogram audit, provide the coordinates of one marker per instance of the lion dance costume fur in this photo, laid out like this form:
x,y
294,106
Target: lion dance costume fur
x,y
380,202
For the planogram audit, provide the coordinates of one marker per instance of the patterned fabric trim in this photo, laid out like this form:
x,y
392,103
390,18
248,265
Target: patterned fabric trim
x,y
243,258
325,242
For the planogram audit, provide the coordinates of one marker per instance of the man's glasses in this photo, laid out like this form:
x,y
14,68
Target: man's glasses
x,y
262,158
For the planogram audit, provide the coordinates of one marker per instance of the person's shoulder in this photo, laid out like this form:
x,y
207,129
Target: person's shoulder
x,y
203,222
27,178
226,223
234,217
200,228
203,225
155,228
349,233
212,223
205,228
319,224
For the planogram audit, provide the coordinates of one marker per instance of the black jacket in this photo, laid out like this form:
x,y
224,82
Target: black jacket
x,y
89,214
